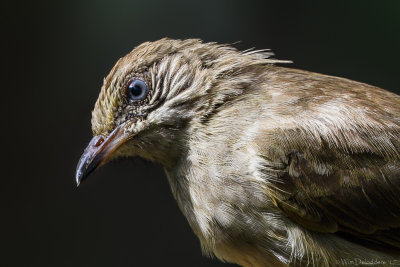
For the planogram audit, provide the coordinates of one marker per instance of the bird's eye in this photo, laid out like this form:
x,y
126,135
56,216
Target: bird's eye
x,y
137,90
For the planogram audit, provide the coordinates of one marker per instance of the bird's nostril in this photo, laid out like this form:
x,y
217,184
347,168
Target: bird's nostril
x,y
99,141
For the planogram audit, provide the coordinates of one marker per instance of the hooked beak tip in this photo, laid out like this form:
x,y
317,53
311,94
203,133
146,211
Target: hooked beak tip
x,y
99,151
91,158
78,178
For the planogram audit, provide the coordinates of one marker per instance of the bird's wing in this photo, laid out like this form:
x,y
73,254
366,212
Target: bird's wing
x,y
338,176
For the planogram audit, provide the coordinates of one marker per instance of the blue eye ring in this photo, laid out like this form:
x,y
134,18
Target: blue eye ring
x,y
137,90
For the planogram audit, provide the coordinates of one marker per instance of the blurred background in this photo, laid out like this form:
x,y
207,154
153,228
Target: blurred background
x,y
55,55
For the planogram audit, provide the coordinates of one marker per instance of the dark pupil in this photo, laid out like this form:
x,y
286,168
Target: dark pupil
x,y
136,88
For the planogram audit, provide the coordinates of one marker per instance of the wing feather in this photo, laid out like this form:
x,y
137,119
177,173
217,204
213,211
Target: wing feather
x,y
337,162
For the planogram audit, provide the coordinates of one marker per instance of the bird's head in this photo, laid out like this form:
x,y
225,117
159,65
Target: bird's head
x,y
152,95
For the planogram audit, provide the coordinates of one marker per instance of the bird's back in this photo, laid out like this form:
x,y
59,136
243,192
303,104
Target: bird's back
x,y
303,165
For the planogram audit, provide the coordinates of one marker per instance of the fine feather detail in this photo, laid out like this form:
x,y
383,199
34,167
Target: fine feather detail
x,y
270,165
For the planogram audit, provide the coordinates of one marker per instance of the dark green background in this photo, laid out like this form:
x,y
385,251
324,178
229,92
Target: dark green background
x,y
56,55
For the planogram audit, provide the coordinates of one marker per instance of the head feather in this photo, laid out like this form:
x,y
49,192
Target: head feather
x,y
172,57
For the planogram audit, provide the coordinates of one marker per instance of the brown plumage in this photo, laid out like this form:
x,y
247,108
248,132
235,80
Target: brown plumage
x,y
270,165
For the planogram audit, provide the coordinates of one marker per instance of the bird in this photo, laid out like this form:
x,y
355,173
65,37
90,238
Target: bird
x,y
270,165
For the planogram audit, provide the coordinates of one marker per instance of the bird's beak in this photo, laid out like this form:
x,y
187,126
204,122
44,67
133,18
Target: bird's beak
x,y
99,151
